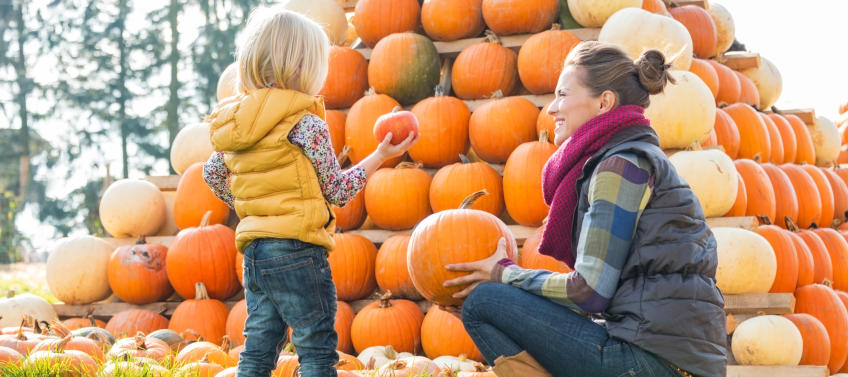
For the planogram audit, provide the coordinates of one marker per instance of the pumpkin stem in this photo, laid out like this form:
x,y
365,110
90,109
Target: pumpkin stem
x,y
59,346
827,283
59,329
497,94
344,155
370,92
20,335
757,158
775,110
491,37
200,288
790,225
409,165
764,220
205,359
396,109
544,137
140,341
141,240
440,92
385,300
226,344
390,353
371,363
480,367
296,371
205,221
97,337
197,336
469,201
289,348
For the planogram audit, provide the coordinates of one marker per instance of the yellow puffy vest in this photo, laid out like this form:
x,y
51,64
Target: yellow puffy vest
x,y
276,188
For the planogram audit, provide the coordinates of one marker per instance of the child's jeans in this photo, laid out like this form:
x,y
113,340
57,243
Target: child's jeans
x,y
288,283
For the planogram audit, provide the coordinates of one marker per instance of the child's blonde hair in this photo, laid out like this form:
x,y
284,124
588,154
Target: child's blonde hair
x,y
282,48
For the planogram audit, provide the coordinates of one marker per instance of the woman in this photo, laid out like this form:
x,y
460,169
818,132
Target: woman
x,y
644,260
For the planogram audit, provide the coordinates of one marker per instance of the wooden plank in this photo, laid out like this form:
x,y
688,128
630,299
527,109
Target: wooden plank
x,y
453,48
164,182
118,242
697,3
776,371
108,309
739,60
755,303
744,222
807,115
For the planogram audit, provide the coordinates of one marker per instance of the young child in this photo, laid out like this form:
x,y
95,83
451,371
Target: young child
x,y
274,164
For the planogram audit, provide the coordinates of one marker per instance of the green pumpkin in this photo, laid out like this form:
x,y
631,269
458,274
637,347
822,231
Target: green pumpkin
x,y
96,333
404,66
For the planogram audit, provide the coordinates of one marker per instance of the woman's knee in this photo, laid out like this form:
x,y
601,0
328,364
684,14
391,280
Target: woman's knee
x,y
480,297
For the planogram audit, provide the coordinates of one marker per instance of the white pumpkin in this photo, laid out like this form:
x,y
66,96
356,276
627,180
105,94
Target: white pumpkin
x,y
381,355
684,113
594,13
13,309
192,144
768,81
76,270
327,13
170,227
767,340
637,30
454,363
414,365
132,208
746,261
826,140
227,82
712,176
725,27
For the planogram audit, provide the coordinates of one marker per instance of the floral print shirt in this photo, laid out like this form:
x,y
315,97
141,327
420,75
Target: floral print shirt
x,y
311,135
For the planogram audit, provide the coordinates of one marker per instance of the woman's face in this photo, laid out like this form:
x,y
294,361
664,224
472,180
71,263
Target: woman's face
x,y
574,104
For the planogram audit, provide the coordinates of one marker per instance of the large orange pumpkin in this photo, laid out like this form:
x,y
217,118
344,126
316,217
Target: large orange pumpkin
x,y
71,342
727,134
655,6
786,199
840,194
816,350
235,322
806,150
500,126
754,136
822,265
388,322
137,273
352,266
353,214
443,126
728,83
336,124
707,73
786,278
837,249
775,142
195,198
391,269
741,203
452,236
748,93
806,270
200,350
809,200
531,258
449,20
443,334
347,78
398,198
522,180
342,324
483,69
760,193
405,66
507,17
825,194
204,254
375,19
453,183
78,363
203,315
541,57
132,321
701,27
359,126
787,136
821,302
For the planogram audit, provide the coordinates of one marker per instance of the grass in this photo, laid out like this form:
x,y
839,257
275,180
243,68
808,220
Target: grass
x,y
25,278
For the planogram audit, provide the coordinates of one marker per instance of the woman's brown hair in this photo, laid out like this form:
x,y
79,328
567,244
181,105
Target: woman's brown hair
x,y
607,67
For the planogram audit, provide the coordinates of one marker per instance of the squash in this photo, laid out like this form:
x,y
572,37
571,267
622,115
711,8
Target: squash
x,y
501,73
215,246
767,340
194,199
342,324
816,349
132,321
821,302
637,31
684,112
826,141
712,177
13,308
132,208
707,73
329,14
725,27
235,322
453,183
746,261
359,126
727,134
336,123
77,270
443,334
760,192
754,135
192,144
531,258
398,198
227,85
522,181
596,13
213,312
768,81
786,278
786,199
729,87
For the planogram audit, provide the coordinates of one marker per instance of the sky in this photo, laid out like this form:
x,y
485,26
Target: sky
x,y
805,40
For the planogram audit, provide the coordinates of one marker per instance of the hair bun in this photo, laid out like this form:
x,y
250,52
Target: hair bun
x,y
653,72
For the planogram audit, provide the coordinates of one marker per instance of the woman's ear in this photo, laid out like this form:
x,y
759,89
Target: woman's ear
x,y
608,101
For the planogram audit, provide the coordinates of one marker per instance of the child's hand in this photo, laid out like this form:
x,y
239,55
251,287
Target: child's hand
x,y
387,150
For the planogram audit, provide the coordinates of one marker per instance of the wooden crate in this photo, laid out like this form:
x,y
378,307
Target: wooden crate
x,y
776,371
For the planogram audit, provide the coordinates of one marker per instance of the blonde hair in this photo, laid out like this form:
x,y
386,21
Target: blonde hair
x,y
282,48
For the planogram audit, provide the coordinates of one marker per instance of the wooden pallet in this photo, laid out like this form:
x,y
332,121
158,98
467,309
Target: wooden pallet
x,y
739,60
776,371
807,115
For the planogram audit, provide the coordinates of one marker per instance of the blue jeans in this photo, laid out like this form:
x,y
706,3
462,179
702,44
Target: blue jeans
x,y
288,283
504,320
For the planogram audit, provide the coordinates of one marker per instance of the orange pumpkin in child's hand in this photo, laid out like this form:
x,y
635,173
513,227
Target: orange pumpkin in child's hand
x,y
399,123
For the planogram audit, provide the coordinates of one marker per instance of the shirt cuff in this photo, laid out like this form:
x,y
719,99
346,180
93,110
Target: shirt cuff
x,y
498,269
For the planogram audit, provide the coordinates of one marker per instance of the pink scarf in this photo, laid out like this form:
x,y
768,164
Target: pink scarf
x,y
559,177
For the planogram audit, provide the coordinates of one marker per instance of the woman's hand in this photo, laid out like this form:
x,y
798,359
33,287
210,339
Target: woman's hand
x,y
386,150
481,270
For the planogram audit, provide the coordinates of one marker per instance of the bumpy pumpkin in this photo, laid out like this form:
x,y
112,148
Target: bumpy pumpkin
x,y
405,66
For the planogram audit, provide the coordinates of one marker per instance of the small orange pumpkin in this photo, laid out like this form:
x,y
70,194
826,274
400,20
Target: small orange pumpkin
x,y
541,57
388,322
522,181
701,27
469,81
347,78
398,198
392,270
453,183
352,266
213,312
137,273
500,126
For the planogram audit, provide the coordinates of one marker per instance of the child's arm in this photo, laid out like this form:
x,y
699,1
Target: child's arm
x,y
313,136
217,177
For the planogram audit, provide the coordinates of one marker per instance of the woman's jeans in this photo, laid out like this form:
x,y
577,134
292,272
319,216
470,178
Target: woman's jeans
x,y
288,283
504,320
